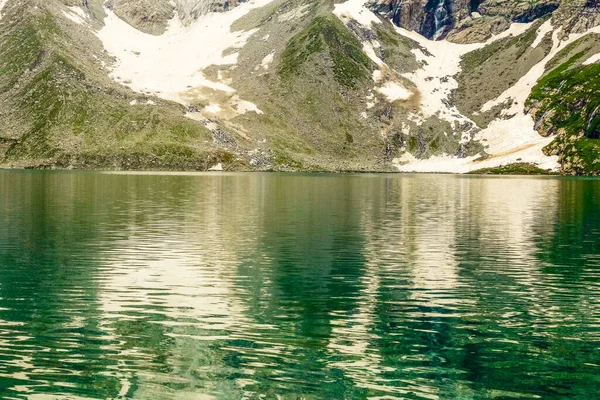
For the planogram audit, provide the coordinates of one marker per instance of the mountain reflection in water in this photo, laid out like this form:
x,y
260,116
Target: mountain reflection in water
x,y
232,286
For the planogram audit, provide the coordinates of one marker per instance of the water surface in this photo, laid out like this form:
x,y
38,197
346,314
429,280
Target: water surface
x,y
271,286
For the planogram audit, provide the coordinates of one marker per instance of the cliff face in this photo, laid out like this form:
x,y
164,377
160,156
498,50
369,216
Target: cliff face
x,y
462,21
152,16
431,18
578,16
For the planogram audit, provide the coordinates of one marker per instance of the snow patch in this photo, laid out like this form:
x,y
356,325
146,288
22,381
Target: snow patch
x,y
510,144
369,50
294,14
266,62
170,65
541,33
377,75
440,63
243,106
371,101
592,60
507,140
79,11
196,116
2,4
518,93
211,125
213,108
529,153
393,91
356,10
76,15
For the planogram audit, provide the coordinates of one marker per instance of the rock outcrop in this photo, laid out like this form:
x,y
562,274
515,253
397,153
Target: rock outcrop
x,y
577,16
462,21
152,16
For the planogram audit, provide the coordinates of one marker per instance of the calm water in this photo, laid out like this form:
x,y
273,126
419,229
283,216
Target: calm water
x,y
267,286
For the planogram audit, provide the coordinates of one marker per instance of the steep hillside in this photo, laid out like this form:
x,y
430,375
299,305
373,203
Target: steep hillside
x,y
60,109
566,106
382,85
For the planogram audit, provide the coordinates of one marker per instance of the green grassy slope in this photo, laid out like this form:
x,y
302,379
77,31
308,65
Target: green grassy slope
x,y
313,94
58,112
566,103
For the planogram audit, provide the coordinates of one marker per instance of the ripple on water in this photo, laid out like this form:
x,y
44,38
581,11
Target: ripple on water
x,y
298,286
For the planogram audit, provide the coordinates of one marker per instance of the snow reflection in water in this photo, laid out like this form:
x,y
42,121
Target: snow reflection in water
x,y
316,286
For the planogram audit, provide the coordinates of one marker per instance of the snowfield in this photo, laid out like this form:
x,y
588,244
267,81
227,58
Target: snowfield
x,y
508,140
2,4
171,65
592,60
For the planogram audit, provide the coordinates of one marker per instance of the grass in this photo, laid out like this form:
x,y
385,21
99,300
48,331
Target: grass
x,y
283,160
588,152
513,169
68,116
327,34
569,97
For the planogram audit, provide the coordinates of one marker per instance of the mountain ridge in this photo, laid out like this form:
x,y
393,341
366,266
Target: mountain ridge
x,y
296,85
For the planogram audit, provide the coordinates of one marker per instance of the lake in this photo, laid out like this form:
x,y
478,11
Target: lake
x,y
298,286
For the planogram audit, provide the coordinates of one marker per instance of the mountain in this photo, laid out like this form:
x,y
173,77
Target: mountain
x,y
357,85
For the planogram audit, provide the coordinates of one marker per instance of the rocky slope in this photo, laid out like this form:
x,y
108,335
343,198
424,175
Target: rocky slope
x,y
470,21
385,85
152,16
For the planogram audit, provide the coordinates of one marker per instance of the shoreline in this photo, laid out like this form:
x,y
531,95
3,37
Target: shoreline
x,y
499,171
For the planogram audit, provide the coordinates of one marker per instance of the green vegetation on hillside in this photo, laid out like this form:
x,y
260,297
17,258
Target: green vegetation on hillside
x,y
566,102
320,109
60,113
573,96
327,33
513,169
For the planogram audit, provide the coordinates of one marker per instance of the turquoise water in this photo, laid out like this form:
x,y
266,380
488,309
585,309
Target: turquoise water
x,y
269,286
